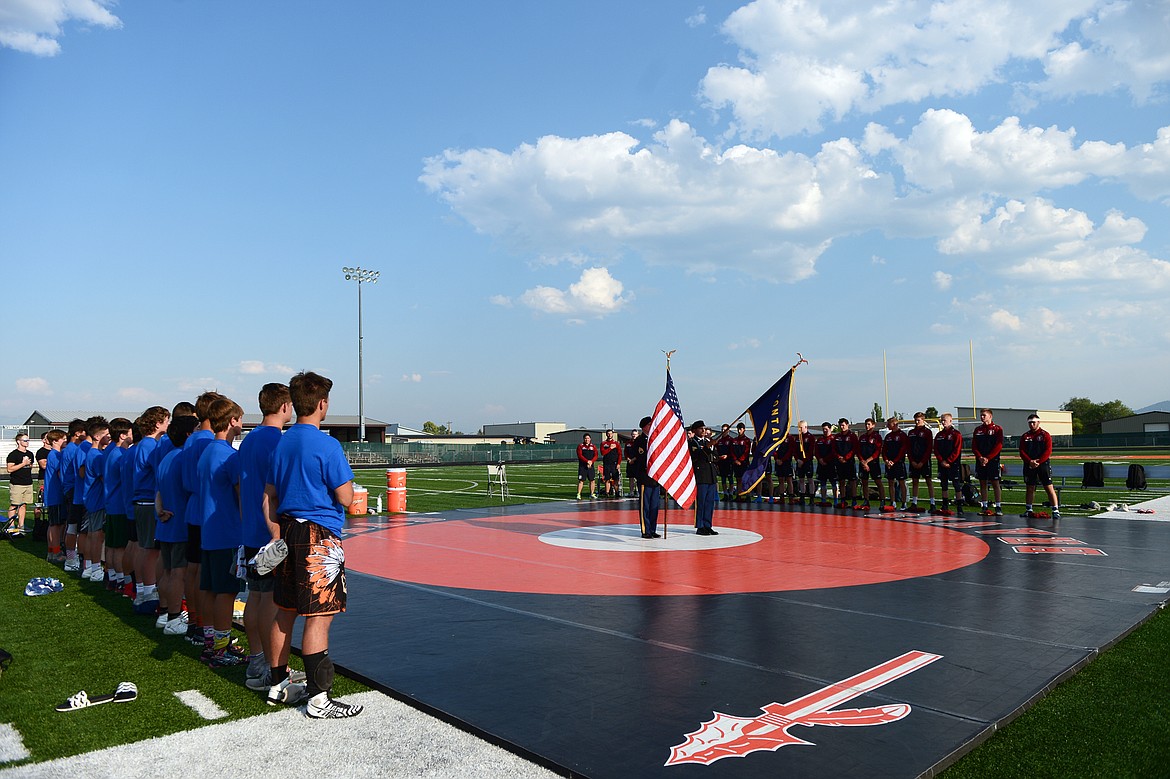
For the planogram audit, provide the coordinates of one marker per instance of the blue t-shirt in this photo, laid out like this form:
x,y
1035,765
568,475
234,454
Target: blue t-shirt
x,y
219,474
169,474
255,461
127,468
190,465
144,479
112,479
78,463
307,466
95,493
54,490
68,471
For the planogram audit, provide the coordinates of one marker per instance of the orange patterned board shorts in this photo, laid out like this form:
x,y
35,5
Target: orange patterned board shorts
x,y
311,580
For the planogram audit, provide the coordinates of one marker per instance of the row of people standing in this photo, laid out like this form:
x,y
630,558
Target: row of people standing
x,y
841,460
167,510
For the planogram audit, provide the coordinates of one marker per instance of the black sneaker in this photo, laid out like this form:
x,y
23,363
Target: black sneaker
x,y
651,535
706,531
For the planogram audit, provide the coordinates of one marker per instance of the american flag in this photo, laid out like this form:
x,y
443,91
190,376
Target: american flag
x,y
668,459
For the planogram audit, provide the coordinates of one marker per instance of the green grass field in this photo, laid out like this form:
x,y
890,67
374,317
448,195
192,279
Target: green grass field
x,y
1110,720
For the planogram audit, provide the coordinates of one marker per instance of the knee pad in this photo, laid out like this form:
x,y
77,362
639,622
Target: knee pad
x,y
323,673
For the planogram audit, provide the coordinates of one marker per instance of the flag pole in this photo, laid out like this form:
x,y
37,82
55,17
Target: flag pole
x,y
666,503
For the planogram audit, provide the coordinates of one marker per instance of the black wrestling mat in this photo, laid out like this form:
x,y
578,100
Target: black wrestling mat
x,y
794,643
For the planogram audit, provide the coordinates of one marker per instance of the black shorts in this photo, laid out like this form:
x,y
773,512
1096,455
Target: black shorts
x,y
585,472
76,514
612,471
1041,474
989,472
804,470
116,530
949,474
847,471
311,580
826,471
218,572
194,544
897,471
725,468
56,515
874,473
920,472
783,469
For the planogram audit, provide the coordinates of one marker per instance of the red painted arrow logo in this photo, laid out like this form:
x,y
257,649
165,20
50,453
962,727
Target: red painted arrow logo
x,y
728,736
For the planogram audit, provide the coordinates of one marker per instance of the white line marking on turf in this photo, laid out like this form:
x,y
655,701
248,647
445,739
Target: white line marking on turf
x,y
11,744
201,704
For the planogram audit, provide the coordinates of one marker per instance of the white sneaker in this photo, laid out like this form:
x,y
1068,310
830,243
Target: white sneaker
x,y
72,566
176,626
162,621
94,573
287,692
323,707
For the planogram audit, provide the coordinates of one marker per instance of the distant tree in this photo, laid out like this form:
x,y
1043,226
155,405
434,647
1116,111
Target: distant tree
x,y
877,414
931,412
433,429
1088,416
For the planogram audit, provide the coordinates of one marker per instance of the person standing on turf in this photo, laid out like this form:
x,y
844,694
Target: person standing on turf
x,y
894,448
920,453
20,480
218,472
1036,452
255,457
310,485
869,463
586,457
987,443
948,450
611,468
846,448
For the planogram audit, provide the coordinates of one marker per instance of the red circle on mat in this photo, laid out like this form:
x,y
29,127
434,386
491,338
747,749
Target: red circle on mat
x,y
797,552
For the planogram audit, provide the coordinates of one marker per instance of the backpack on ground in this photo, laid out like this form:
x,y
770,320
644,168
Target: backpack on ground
x,y
1136,478
1094,475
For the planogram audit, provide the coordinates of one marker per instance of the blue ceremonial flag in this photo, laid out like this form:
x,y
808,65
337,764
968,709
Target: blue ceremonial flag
x,y
771,417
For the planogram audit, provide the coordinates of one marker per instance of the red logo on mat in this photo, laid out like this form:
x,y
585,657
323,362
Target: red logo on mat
x,y
727,736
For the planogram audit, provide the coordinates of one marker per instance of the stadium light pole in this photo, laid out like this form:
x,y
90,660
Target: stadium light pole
x,y
361,276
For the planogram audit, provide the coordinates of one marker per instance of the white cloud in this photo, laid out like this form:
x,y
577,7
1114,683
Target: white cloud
x,y
942,281
750,343
806,62
596,293
684,202
136,394
1038,241
1122,46
258,367
698,18
33,26
413,378
1002,319
500,300
33,385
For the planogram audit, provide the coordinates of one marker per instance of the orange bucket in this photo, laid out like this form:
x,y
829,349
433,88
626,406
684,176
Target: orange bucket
x,y
396,478
396,500
360,502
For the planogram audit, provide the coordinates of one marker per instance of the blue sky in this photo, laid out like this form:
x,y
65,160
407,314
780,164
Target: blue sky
x,y
555,193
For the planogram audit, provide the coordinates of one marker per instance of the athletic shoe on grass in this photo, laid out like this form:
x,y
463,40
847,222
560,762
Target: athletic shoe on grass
x,y
221,658
287,692
161,620
321,706
176,626
999,511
